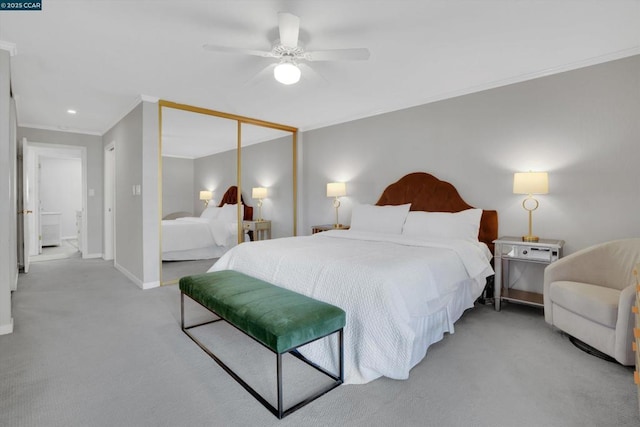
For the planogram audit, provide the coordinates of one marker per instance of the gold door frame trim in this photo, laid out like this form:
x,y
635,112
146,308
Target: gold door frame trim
x,y
240,120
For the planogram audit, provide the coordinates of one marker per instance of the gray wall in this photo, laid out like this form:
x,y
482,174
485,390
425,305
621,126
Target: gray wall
x,y
127,135
137,219
267,164
581,126
215,173
151,195
95,160
270,164
178,190
8,208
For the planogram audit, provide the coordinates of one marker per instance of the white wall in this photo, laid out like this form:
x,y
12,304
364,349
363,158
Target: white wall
x,y
61,191
581,126
8,207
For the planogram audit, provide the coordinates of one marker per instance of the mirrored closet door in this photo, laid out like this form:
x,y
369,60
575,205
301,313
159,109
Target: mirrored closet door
x,y
205,157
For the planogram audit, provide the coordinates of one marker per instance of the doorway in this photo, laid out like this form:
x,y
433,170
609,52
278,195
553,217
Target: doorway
x,y
56,183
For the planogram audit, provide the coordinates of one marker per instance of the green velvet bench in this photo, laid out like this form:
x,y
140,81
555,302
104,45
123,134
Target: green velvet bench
x,y
279,319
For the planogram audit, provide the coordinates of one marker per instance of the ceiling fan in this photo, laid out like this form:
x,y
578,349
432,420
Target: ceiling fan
x,y
290,53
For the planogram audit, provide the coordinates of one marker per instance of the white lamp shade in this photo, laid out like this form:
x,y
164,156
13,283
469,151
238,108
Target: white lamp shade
x,y
530,183
259,193
336,189
287,73
206,195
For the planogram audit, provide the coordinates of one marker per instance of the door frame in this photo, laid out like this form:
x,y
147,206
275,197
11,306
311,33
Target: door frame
x,y
109,229
39,148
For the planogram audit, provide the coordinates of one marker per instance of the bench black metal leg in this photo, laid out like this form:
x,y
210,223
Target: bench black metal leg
x,y
182,310
279,369
279,411
341,357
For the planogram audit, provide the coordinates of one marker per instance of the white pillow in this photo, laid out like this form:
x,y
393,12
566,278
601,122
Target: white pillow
x,y
210,212
379,219
228,213
457,225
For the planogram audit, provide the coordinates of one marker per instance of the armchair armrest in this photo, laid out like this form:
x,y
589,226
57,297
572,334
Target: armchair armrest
x,y
624,326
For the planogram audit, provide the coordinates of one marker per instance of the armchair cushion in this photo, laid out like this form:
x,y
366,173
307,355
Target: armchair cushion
x,y
593,302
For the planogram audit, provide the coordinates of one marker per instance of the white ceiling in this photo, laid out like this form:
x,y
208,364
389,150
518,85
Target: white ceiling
x,y
99,57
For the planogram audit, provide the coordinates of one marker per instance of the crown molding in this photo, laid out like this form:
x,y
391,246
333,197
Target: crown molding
x,y
147,98
595,60
11,47
59,129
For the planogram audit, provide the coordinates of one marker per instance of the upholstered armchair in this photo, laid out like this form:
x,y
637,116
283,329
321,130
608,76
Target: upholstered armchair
x,y
589,295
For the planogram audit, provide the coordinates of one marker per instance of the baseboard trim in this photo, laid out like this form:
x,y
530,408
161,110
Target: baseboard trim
x,y
91,256
7,329
151,285
142,285
129,275
14,286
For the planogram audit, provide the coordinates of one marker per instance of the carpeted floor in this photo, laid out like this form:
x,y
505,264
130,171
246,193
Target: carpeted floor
x,y
68,248
91,349
172,271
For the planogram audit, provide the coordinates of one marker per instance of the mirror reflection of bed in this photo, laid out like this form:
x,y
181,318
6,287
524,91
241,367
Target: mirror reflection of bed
x,y
188,141
192,244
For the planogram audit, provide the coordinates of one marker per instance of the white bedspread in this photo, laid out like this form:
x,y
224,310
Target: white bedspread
x,y
383,282
195,233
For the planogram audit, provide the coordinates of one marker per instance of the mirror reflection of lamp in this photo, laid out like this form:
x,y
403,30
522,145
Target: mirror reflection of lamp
x,y
336,190
530,183
259,193
206,196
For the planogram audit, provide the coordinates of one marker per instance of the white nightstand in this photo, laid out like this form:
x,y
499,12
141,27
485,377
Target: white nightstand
x,y
511,248
261,230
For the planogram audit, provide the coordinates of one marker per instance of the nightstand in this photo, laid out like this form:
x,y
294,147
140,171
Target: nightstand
x,y
326,227
259,230
510,248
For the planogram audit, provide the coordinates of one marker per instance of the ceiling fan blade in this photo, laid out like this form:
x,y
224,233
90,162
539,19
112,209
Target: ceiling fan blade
x,y
308,73
289,26
355,54
224,49
262,75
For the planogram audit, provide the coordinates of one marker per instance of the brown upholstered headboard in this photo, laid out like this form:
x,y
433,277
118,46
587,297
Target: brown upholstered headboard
x,y
425,192
231,198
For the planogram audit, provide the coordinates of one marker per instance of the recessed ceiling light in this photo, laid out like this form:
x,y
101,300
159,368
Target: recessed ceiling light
x,y
71,111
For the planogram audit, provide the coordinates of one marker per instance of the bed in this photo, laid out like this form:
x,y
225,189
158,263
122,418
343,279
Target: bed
x,y
208,236
404,273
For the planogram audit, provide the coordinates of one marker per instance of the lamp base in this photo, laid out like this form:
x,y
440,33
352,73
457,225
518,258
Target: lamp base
x,y
530,238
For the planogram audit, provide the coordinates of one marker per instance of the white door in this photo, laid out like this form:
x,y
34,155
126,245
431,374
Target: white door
x,y
27,209
109,200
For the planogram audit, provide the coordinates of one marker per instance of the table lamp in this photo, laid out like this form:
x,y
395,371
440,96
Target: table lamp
x,y
336,189
259,193
530,183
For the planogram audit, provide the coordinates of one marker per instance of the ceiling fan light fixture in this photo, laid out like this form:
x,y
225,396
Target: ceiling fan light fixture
x,y
287,73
